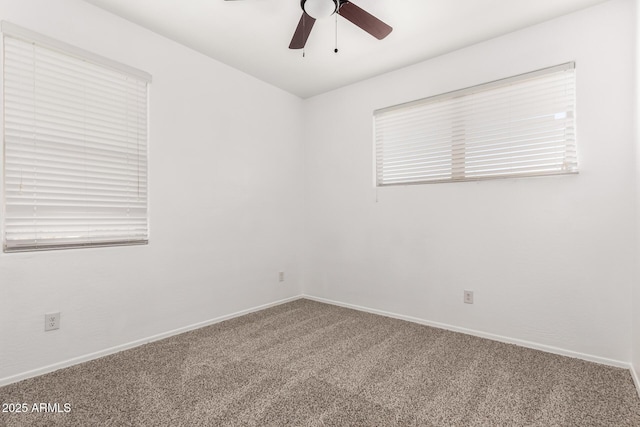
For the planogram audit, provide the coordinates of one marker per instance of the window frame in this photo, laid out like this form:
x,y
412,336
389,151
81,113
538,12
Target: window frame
x,y
458,143
126,238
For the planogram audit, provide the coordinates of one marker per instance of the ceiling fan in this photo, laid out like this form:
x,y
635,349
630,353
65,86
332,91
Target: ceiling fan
x,y
316,9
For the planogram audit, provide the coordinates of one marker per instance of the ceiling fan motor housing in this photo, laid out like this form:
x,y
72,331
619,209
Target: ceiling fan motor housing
x,y
319,8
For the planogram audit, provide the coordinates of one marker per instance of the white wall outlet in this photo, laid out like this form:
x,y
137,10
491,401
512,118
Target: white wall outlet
x,y
51,321
468,297
281,276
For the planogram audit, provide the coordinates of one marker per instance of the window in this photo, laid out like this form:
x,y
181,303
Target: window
x,y
75,146
520,126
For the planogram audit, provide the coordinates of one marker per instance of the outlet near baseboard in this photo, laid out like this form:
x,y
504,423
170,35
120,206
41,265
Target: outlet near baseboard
x,y
51,321
468,297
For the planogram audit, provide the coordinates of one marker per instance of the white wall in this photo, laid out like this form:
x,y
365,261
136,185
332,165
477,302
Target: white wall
x,y
551,260
225,203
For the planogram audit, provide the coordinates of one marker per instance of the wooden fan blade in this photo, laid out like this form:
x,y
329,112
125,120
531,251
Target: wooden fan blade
x,y
365,20
302,32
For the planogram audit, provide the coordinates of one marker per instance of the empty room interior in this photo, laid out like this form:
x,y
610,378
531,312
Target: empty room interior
x,y
274,212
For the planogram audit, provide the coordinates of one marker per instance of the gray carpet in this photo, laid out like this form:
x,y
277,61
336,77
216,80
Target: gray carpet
x,y
311,364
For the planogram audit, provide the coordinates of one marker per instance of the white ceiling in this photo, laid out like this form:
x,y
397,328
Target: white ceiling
x,y
253,35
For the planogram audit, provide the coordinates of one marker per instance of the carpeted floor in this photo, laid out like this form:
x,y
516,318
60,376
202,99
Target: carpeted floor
x,y
310,364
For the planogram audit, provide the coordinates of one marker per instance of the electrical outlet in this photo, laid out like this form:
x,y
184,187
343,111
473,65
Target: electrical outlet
x,y
51,321
468,297
281,276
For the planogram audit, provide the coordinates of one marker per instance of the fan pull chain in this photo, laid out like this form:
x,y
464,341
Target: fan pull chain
x,y
336,49
304,21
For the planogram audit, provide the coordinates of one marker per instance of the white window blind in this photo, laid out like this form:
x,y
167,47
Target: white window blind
x,y
75,147
520,126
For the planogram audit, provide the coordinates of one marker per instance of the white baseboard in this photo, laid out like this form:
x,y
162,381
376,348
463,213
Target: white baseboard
x,y
500,338
549,349
132,344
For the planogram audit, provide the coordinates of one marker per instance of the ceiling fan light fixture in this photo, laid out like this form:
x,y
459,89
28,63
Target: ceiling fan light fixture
x,y
318,9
